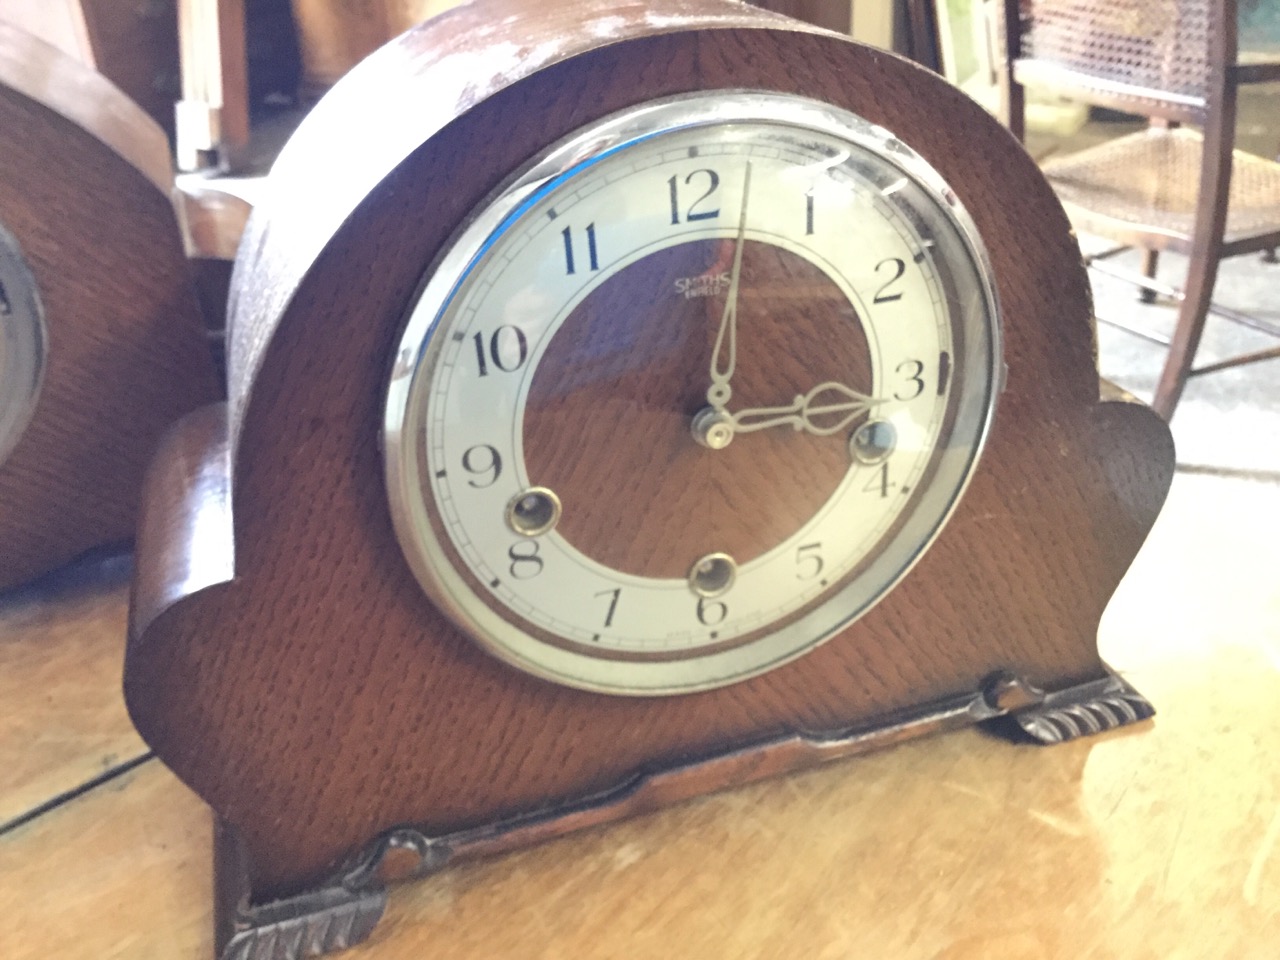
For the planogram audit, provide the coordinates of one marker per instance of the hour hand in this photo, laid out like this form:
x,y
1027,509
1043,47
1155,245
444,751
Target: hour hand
x,y
811,412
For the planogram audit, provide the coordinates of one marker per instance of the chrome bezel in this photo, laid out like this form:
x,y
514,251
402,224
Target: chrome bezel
x,y
419,347
23,344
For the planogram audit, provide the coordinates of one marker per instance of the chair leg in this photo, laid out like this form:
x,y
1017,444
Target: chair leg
x,y
1150,260
1269,256
1201,277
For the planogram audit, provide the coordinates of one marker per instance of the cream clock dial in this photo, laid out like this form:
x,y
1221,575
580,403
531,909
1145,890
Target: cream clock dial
x,y
22,343
691,393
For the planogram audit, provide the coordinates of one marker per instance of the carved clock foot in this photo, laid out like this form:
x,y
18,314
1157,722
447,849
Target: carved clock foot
x,y
1094,707
344,913
312,924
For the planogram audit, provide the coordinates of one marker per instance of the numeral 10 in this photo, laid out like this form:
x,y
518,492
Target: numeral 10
x,y
499,357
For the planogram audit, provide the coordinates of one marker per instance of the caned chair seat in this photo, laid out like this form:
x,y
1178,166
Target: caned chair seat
x,y
1168,188
1149,181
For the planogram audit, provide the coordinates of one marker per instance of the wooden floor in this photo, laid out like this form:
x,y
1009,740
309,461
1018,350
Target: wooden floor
x,y
1161,841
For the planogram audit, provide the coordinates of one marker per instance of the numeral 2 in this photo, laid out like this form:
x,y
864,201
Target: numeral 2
x,y
899,267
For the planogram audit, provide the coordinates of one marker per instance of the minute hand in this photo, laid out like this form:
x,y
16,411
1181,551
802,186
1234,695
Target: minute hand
x,y
800,413
727,336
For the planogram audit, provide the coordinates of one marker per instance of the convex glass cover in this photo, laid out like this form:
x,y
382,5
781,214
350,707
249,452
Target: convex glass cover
x,y
691,393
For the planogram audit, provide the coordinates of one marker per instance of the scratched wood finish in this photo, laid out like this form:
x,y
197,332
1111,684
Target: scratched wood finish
x,y
1157,843
84,187
63,722
317,698
120,873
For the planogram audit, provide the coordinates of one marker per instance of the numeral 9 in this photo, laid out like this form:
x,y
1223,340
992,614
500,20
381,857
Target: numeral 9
x,y
483,460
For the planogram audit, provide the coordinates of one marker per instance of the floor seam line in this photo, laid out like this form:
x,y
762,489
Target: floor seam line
x,y
67,796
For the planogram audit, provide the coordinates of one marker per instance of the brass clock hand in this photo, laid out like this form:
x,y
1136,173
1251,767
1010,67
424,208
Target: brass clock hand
x,y
719,391
802,412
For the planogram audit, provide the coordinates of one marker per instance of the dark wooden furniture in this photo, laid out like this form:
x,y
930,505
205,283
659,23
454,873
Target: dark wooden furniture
x,y
134,45
1169,187
283,659
85,187
924,43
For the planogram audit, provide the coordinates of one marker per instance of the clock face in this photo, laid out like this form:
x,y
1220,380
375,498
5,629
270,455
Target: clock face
x,y
691,393
22,343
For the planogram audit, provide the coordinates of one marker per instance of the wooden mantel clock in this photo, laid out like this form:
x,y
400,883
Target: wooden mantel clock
x,y
102,345
626,401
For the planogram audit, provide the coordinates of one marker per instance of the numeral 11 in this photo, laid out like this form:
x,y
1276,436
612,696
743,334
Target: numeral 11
x,y
592,257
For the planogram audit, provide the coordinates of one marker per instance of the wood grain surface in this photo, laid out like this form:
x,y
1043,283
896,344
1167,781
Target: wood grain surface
x,y
63,721
1161,842
133,45
317,698
84,187
58,875
650,509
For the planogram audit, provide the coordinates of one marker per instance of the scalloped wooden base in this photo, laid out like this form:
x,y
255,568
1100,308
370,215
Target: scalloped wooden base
x,y
344,911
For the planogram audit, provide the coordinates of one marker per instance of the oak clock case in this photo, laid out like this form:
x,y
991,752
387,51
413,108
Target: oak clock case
x,y
562,349
350,720
101,341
